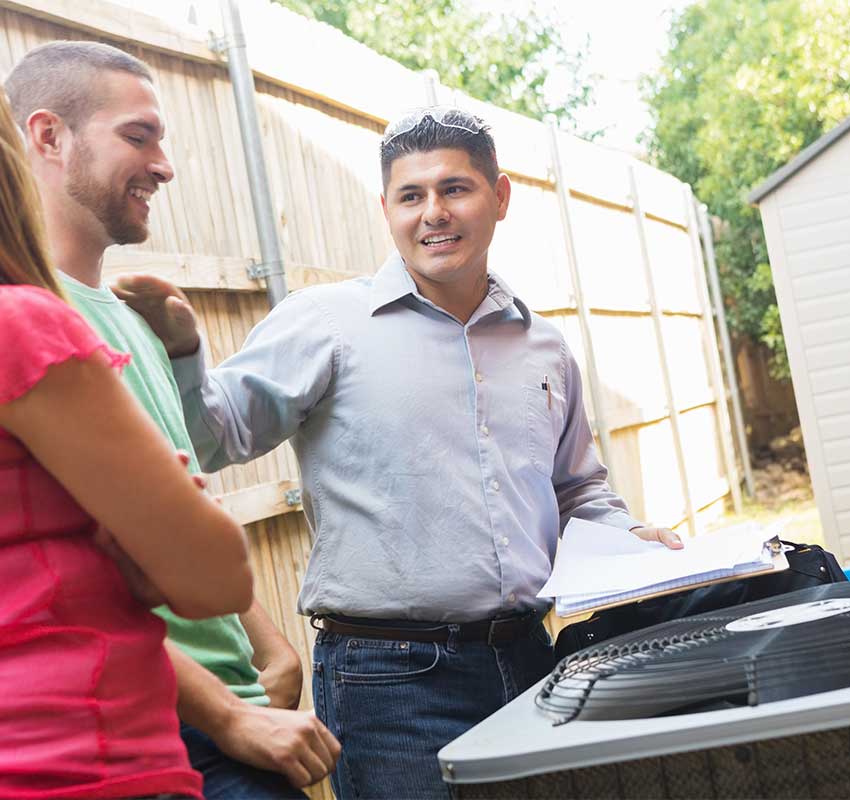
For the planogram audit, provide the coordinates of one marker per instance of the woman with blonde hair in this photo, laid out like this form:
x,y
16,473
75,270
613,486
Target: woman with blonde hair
x,y
87,693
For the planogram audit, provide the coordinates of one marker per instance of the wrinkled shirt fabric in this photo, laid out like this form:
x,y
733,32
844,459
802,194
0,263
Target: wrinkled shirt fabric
x,y
437,470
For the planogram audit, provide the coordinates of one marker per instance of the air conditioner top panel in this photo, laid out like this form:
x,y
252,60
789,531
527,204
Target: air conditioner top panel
x,y
520,740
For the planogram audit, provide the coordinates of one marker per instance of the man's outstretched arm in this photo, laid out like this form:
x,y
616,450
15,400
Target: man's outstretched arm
x,y
293,743
259,396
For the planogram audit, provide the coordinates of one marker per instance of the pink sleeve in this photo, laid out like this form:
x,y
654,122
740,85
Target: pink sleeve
x,y
38,330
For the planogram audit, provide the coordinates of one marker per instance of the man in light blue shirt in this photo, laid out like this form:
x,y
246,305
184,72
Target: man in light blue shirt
x,y
443,446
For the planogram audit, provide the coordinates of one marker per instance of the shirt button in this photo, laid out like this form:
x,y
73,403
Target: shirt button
x,y
479,377
512,598
495,486
505,541
485,430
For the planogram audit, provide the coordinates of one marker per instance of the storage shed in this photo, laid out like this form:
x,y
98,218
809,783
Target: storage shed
x,y
805,210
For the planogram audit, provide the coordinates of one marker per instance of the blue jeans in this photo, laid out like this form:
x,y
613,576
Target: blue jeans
x,y
226,779
394,704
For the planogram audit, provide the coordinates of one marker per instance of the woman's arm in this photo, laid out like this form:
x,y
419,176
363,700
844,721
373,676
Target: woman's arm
x,y
86,429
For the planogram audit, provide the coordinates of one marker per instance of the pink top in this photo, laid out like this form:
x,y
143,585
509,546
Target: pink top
x,y
87,693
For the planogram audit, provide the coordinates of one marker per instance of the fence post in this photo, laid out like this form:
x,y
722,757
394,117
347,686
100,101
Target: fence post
x,y
712,352
672,409
726,346
597,401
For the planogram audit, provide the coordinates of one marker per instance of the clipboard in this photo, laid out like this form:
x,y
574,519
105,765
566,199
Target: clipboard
x,y
778,563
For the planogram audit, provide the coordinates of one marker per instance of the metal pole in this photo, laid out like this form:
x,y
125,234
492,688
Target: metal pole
x,y
432,81
242,80
595,385
672,409
712,352
726,346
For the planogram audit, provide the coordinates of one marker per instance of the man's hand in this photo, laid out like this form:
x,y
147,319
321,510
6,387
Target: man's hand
x,y
663,535
274,657
165,308
294,743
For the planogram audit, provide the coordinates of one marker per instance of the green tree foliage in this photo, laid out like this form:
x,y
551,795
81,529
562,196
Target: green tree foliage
x,y
500,58
744,86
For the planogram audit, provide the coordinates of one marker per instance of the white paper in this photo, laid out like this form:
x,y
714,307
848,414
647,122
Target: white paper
x,y
598,562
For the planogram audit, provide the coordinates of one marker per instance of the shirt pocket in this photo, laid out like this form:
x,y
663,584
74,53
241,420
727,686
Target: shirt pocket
x,y
539,434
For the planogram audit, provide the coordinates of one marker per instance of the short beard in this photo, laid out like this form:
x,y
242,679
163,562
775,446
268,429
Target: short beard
x,y
108,203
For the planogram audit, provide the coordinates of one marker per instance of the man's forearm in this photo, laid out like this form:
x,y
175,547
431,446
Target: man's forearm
x,y
293,743
203,701
274,657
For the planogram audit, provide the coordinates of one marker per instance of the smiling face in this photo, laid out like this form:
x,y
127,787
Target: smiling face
x,y
442,213
117,162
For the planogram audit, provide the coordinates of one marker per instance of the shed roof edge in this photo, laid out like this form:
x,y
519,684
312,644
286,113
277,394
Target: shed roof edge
x,y
801,160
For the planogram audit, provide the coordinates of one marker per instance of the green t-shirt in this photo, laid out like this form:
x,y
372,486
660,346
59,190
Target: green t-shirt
x,y
220,644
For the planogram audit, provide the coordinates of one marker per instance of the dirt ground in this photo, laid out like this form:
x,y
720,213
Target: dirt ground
x,y
783,493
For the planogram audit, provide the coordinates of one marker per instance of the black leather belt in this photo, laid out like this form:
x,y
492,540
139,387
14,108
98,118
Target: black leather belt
x,y
501,630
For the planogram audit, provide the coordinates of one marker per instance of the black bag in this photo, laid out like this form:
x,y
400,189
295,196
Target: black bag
x,y
808,565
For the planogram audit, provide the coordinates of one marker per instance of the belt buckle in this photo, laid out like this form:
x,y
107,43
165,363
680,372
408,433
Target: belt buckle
x,y
494,623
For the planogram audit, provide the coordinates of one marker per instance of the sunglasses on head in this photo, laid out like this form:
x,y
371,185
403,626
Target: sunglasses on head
x,y
447,116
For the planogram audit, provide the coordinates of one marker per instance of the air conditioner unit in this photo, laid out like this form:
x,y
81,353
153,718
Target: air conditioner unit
x,y
747,702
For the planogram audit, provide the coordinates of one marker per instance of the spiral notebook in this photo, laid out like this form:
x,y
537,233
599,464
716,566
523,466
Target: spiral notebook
x,y
600,566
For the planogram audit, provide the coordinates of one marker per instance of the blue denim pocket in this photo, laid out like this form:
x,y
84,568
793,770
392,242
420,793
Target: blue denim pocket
x,y
379,661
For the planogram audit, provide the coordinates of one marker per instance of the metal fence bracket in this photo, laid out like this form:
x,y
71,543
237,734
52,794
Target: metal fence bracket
x,y
257,270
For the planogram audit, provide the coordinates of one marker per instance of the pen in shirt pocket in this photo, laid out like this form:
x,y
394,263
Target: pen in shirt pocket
x,y
548,389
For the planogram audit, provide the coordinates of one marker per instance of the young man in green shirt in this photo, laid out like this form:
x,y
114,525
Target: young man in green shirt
x,y
93,127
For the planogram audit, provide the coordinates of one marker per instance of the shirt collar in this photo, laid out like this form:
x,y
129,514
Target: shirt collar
x,y
393,281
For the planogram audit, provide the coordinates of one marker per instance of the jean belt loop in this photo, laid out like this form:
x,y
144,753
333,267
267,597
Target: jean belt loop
x,y
451,641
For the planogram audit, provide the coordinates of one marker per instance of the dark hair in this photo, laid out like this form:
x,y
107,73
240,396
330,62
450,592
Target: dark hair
x,y
454,132
61,77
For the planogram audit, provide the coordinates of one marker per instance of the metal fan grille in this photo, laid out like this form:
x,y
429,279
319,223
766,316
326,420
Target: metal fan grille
x,y
697,663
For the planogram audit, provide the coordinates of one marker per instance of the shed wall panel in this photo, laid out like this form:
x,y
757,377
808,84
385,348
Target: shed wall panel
x,y
830,380
826,331
806,222
832,428
841,498
819,259
837,451
827,282
819,234
816,211
832,404
821,309
828,355
839,475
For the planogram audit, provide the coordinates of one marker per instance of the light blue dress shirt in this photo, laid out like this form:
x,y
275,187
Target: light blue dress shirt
x,y
437,469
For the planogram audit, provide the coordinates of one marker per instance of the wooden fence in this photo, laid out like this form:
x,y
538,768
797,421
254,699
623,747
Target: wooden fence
x,y
611,253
